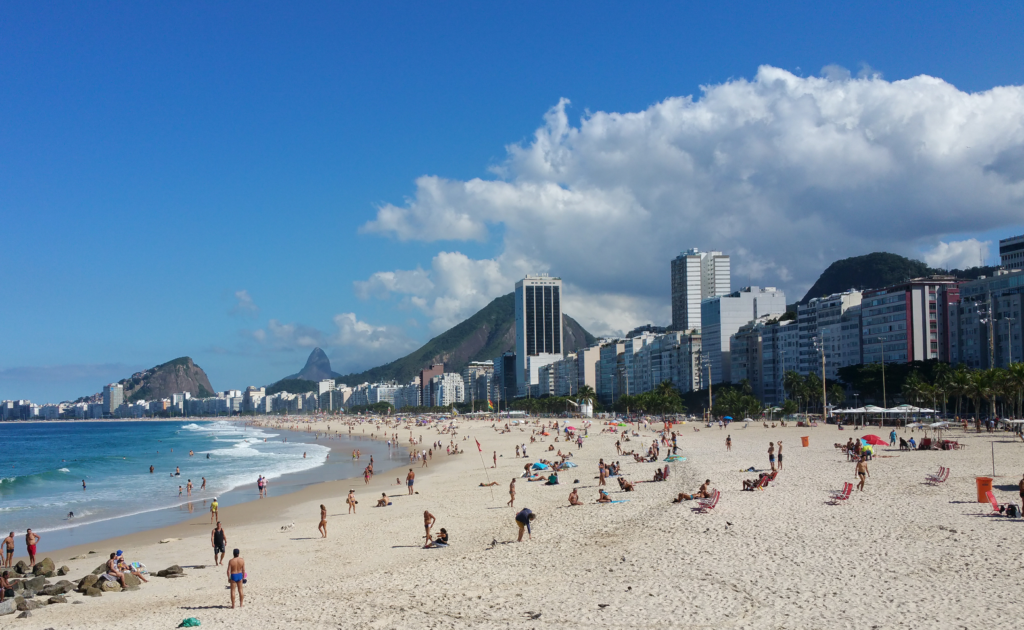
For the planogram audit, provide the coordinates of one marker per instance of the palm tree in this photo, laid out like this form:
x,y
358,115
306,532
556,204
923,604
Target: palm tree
x,y
586,394
836,394
960,385
1016,378
792,383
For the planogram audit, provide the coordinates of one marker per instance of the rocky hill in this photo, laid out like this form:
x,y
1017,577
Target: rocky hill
x,y
173,377
317,368
484,336
877,270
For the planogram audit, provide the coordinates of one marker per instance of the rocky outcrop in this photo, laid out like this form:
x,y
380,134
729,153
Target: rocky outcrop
x,y
173,377
172,571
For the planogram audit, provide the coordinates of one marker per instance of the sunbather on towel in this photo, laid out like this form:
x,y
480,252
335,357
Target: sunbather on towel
x,y
682,497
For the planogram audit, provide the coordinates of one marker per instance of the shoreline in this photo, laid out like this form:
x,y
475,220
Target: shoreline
x,y
245,512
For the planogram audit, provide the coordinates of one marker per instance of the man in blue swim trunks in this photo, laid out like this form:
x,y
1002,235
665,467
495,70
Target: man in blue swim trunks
x,y
236,574
410,479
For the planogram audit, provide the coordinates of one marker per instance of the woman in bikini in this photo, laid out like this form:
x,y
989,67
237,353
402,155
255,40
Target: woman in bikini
x,y
351,501
323,521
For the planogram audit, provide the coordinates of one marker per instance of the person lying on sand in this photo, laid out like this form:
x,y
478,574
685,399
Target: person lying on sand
x,y
488,485
682,497
574,498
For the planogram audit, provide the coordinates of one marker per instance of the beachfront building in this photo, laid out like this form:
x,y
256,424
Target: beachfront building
x,y
113,396
503,383
538,328
985,325
587,370
447,389
696,276
408,395
476,381
1011,252
842,342
761,352
816,317
722,316
609,367
669,357
908,321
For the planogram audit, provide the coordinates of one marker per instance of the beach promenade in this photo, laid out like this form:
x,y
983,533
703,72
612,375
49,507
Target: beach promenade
x,y
901,554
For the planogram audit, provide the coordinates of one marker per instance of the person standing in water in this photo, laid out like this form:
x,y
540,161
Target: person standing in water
x,y
236,576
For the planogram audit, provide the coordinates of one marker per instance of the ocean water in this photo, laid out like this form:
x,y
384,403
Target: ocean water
x,y
45,464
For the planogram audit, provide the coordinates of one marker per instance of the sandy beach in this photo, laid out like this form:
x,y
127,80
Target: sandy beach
x,y
901,554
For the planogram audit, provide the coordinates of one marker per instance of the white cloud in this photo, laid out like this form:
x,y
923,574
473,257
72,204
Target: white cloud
x,y
785,173
351,345
244,305
958,254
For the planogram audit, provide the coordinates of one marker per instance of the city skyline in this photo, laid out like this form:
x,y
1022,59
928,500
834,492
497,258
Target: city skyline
x,y
247,204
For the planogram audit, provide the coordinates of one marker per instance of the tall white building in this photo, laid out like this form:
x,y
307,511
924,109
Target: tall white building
x,y
696,276
722,317
113,396
818,319
538,327
447,389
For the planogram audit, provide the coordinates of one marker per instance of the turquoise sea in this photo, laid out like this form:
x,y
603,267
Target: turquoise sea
x,y
46,463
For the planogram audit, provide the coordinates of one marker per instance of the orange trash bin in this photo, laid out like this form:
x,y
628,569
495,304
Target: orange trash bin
x,y
806,441
984,487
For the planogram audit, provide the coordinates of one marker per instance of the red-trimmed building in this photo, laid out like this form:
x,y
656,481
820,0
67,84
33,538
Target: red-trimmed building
x,y
908,321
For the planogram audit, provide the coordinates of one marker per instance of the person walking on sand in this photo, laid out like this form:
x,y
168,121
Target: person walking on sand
x,y
780,454
512,493
9,544
236,577
214,510
410,479
771,455
862,473
323,521
495,460
524,519
728,443
1020,487
428,522
219,541
351,500
31,540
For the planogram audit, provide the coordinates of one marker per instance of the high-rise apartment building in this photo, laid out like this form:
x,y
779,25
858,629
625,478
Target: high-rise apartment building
x,y
425,376
985,325
908,321
818,318
113,396
696,275
1011,252
722,317
538,327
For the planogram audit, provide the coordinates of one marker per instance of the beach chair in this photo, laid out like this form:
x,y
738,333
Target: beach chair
x,y
843,494
937,477
704,505
775,473
995,504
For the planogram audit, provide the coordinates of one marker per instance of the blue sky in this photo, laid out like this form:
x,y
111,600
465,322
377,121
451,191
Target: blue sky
x,y
158,161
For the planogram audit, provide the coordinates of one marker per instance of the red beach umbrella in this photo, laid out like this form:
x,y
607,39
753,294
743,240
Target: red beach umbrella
x,y
874,440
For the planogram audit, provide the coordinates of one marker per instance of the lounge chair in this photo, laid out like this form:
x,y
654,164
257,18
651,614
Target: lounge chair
x,y
939,477
703,505
995,504
843,494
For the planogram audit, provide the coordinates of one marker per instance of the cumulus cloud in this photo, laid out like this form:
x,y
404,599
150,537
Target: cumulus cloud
x,y
785,173
244,305
352,344
958,254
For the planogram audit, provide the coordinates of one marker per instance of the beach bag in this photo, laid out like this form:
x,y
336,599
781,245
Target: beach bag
x,y
1012,510
191,622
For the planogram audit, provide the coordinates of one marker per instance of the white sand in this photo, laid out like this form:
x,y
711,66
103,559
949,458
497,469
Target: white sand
x,y
901,554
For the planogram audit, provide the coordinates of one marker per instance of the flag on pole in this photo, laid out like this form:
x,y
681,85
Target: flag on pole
x,y
478,445
490,405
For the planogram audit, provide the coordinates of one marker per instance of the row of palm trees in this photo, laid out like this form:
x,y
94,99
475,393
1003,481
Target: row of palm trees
x,y
807,391
1001,388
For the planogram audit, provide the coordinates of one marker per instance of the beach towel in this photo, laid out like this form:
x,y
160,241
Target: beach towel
x,y
675,458
191,622
539,466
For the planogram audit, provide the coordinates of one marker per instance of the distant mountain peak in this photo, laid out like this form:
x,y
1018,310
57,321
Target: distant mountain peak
x,y
317,368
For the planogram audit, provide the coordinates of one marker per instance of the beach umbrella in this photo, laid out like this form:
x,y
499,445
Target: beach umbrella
x,y
874,440
727,417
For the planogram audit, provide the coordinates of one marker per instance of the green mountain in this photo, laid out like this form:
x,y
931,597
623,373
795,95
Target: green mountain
x,y
874,271
484,336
